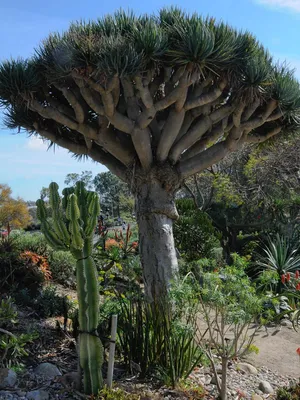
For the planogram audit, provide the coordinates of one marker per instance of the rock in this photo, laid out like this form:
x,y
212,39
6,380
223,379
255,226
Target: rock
x,y
266,387
47,370
20,393
207,379
286,322
256,397
213,380
8,378
39,394
246,368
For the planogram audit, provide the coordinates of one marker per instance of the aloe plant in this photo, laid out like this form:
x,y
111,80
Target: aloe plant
x,y
280,256
71,228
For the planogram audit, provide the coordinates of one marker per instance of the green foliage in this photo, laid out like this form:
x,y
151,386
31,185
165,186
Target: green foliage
x,y
21,269
288,393
12,347
86,177
34,242
158,338
115,195
194,234
279,256
47,304
230,292
50,304
62,266
225,191
8,313
229,304
115,394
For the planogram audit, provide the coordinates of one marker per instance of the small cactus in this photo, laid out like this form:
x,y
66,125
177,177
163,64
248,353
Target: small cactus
x,y
72,224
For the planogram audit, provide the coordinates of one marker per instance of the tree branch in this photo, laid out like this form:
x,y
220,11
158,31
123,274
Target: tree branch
x,y
74,102
206,98
142,144
79,148
169,134
199,146
200,162
262,138
194,134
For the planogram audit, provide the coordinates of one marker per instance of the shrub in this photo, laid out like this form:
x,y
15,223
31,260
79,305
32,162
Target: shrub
x,y
160,338
291,393
194,234
47,304
12,347
279,256
62,266
116,394
9,262
229,304
8,313
24,269
34,242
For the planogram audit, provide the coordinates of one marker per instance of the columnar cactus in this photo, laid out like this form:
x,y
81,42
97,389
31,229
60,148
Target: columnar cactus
x,y
71,227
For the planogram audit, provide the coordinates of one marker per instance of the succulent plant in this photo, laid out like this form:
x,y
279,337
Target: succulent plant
x,y
69,225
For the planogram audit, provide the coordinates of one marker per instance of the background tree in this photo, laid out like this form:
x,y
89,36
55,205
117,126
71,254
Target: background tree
x,y
156,99
112,191
86,177
44,193
251,193
14,213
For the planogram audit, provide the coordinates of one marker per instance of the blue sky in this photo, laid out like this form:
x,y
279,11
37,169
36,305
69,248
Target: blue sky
x,y
25,163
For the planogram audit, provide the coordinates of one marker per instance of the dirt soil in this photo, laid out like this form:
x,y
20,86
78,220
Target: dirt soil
x,y
277,350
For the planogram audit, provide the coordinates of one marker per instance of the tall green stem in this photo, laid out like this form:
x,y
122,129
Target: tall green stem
x,y
72,227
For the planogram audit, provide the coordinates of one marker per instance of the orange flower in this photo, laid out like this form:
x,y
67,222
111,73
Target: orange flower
x,y
298,286
111,243
288,276
283,278
297,274
298,351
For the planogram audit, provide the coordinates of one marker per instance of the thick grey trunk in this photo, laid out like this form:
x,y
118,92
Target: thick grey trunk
x,y
155,214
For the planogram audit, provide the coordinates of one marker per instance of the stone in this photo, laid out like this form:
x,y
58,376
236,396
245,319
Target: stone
x,y
286,322
246,368
256,397
213,380
8,378
20,393
266,387
47,370
39,394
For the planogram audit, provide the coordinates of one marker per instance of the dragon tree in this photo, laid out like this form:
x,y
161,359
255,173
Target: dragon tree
x,y
155,99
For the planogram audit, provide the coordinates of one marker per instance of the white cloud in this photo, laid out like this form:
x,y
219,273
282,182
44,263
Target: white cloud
x,y
292,5
36,144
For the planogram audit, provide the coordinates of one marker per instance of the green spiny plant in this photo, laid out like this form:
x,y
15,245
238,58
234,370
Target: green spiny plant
x,y
73,221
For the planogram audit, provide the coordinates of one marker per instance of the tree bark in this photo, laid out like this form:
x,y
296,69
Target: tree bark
x,y
224,378
155,214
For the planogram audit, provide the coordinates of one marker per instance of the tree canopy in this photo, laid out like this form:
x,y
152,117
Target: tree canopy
x,y
113,192
136,91
14,213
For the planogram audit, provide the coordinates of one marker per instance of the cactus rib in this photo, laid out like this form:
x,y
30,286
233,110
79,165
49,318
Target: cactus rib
x,y
74,221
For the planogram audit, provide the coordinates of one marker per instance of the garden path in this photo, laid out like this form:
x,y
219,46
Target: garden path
x,y
277,350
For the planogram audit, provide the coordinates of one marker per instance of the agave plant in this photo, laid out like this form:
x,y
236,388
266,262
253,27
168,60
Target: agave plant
x,y
279,256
